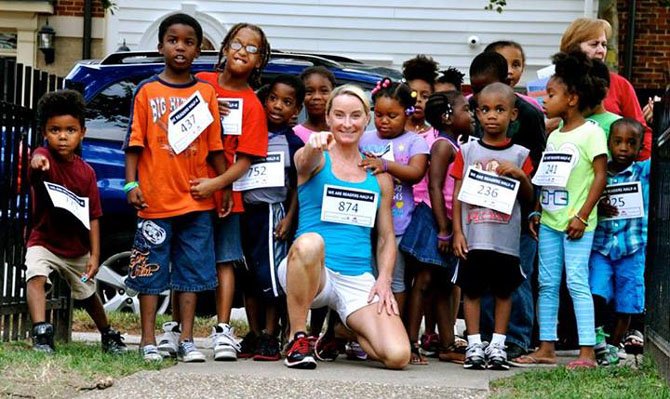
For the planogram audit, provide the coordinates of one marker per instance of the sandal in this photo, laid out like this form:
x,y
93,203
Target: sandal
x,y
582,364
417,358
454,353
532,361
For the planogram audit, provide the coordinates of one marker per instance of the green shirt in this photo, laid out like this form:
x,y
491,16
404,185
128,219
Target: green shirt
x,y
604,120
560,204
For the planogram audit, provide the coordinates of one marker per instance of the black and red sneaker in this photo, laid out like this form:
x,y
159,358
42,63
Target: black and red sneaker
x,y
299,353
267,349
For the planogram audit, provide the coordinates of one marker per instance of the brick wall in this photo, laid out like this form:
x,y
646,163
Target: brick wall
x,y
651,51
75,8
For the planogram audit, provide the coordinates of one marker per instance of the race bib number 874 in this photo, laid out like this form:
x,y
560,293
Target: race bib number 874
x,y
349,206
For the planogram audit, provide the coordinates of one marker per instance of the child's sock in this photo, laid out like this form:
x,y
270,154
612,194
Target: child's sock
x,y
474,339
498,339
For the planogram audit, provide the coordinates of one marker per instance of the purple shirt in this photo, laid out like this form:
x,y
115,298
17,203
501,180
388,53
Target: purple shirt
x,y
402,148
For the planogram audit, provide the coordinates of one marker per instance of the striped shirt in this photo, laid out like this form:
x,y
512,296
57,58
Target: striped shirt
x,y
619,238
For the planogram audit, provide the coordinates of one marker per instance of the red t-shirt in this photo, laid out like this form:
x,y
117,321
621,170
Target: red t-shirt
x,y
54,228
622,100
254,138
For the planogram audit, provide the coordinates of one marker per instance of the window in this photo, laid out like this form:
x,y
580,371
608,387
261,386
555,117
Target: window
x,y
108,114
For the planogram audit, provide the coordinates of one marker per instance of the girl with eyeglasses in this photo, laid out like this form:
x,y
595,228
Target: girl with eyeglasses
x,y
244,53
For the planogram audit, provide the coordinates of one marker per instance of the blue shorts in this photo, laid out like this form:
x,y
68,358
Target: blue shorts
x,y
227,240
173,253
619,280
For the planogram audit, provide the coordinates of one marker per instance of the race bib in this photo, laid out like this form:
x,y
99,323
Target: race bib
x,y
187,122
263,172
232,123
626,198
489,190
554,169
63,198
349,206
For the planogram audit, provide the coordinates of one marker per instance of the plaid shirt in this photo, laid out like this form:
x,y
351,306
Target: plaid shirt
x,y
619,238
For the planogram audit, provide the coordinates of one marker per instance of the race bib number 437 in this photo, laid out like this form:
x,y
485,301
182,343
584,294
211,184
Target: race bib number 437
x,y
349,206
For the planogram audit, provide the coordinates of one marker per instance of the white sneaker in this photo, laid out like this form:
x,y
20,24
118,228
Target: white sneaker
x,y
188,353
150,353
168,344
224,343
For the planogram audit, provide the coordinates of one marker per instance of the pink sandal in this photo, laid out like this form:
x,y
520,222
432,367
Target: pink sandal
x,y
582,364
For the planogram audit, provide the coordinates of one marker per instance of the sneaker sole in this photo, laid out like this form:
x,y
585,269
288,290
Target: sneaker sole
x,y
475,366
261,358
304,364
193,360
498,366
225,354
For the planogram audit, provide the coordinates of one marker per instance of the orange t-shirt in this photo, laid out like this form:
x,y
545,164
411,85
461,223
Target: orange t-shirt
x,y
254,138
164,176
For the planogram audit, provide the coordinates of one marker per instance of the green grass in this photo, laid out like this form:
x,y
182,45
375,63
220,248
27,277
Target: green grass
x,y
73,368
129,323
603,382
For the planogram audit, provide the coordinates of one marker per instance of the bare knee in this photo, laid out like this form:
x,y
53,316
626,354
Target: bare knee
x,y
396,357
307,249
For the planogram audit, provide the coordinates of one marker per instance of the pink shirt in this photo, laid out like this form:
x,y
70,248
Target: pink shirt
x,y
302,132
421,189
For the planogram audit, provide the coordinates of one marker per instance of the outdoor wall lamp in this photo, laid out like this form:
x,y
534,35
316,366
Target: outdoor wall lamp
x,y
45,42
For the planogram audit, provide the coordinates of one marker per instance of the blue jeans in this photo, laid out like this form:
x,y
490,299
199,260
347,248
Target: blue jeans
x,y
520,327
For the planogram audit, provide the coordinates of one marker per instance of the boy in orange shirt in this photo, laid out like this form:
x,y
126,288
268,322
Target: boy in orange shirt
x,y
167,147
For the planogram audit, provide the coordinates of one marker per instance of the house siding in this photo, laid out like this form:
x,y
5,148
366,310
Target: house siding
x,y
385,33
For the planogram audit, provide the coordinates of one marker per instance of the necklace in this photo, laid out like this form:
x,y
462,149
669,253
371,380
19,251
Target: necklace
x,y
421,128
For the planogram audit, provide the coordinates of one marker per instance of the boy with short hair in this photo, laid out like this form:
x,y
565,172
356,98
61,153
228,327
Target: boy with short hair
x,y
527,130
618,255
59,240
270,210
165,152
487,239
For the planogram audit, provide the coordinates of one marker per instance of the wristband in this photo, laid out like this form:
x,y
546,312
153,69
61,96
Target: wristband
x,y
130,186
445,238
385,165
586,223
533,214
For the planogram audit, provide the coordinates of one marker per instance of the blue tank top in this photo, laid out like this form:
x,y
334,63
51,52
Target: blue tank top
x,y
348,247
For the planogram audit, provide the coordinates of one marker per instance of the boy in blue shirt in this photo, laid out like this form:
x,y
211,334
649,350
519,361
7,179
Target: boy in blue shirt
x,y
618,255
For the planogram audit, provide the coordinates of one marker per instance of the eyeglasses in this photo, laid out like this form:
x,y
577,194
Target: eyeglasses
x,y
237,46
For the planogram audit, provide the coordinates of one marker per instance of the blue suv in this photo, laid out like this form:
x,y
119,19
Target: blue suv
x,y
108,86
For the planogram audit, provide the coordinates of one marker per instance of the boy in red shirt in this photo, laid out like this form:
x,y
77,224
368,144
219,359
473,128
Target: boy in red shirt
x,y
60,240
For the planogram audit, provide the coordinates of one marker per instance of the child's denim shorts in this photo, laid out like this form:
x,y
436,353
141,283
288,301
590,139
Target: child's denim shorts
x,y
228,240
173,253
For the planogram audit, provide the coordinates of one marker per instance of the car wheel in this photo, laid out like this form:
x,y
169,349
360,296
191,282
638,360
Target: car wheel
x,y
114,294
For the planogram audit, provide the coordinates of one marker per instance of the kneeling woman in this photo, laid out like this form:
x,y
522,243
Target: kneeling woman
x,y
330,262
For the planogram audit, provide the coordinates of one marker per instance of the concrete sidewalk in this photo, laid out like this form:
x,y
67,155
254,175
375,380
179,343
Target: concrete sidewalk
x,y
342,378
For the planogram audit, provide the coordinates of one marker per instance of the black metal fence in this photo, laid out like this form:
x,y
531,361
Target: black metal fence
x,y
657,325
20,89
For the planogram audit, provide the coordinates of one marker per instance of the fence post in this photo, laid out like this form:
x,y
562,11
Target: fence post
x,y
657,276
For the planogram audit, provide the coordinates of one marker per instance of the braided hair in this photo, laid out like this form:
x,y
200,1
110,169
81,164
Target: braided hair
x,y
576,71
441,104
264,51
398,91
